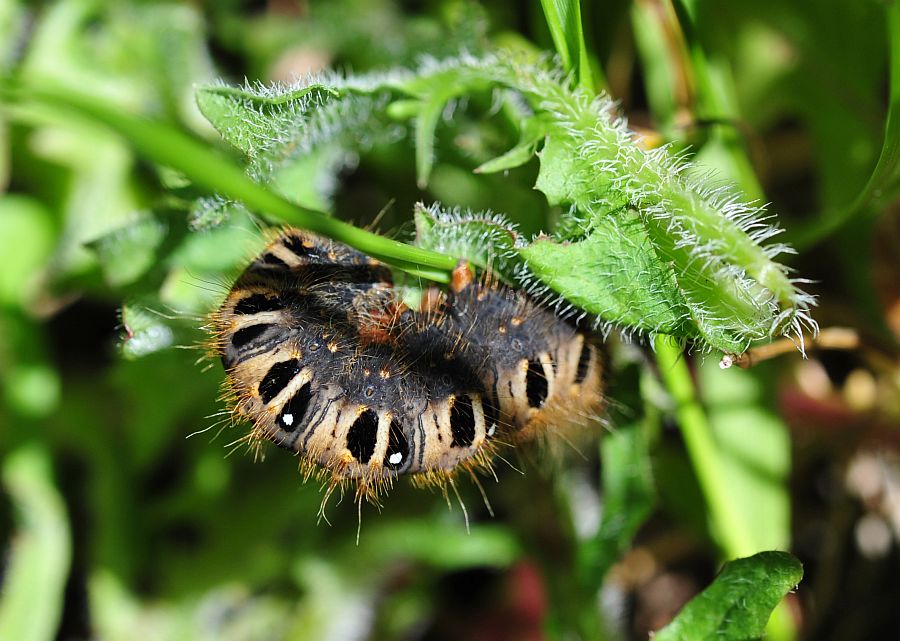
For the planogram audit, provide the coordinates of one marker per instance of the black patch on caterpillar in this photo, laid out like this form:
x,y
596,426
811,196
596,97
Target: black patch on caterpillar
x,y
271,259
362,436
584,362
462,422
258,303
332,276
247,335
277,378
295,409
295,244
420,432
535,384
398,447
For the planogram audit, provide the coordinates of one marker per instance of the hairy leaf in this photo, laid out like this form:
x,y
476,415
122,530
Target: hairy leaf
x,y
739,602
484,239
647,242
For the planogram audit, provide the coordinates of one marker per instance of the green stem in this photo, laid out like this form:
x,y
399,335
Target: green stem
x,y
564,20
727,522
165,145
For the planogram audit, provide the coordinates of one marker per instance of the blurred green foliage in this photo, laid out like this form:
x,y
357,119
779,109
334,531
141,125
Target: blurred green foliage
x,y
126,528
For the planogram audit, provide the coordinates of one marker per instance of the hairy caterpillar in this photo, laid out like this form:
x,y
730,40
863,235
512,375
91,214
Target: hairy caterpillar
x,y
324,359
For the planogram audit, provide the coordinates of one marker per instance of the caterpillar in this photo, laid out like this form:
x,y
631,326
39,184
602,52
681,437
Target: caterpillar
x,y
324,358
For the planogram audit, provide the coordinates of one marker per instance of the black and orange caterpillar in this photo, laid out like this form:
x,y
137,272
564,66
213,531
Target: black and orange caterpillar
x,y
324,359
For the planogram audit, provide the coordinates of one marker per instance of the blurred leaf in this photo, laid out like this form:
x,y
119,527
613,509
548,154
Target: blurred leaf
x,y
628,497
339,606
210,212
127,252
31,384
884,180
716,104
515,157
739,602
652,23
135,54
229,612
755,451
426,122
311,180
33,389
441,544
32,598
26,240
12,20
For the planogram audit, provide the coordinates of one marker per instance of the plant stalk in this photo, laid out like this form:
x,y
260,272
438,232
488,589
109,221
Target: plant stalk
x,y
167,146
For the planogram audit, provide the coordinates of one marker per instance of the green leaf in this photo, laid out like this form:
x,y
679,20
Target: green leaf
x,y
564,21
615,274
562,177
442,544
515,157
35,576
26,239
301,131
251,121
534,129
127,252
146,332
485,240
426,123
884,181
739,602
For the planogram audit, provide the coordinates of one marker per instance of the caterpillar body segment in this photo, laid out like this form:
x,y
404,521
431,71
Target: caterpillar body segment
x,y
324,359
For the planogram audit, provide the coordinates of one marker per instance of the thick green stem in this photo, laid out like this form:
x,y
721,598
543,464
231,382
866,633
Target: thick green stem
x,y
207,169
727,521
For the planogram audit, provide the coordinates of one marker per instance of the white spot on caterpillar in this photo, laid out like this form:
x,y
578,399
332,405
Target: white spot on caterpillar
x,y
395,458
492,429
288,419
